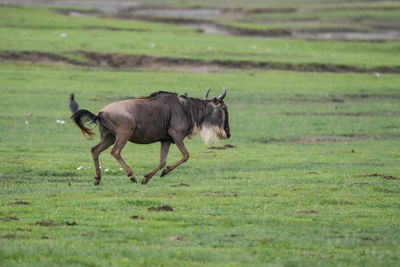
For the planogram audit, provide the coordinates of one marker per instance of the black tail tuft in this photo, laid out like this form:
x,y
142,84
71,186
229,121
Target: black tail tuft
x,y
81,117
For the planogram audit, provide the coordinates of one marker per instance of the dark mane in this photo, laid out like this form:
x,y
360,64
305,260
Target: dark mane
x,y
159,93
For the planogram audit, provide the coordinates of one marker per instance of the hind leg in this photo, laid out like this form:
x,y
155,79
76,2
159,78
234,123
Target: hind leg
x,y
107,139
121,140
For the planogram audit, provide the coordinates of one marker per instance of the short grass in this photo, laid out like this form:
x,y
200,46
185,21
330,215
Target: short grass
x,y
46,36
312,179
242,203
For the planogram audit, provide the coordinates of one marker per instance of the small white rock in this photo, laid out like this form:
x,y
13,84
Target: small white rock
x,y
62,122
58,121
333,55
26,122
121,169
210,48
79,168
106,170
377,74
64,35
254,47
152,45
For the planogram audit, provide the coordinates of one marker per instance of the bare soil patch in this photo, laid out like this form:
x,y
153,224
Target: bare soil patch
x,y
123,61
10,218
44,223
306,211
71,223
386,177
176,239
135,217
127,61
181,184
227,146
161,208
195,65
20,202
36,57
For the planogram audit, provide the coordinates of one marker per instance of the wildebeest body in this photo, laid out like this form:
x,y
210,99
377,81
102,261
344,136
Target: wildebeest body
x,y
162,117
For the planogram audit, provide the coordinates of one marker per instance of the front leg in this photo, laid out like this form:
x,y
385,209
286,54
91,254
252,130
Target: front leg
x,y
181,146
163,160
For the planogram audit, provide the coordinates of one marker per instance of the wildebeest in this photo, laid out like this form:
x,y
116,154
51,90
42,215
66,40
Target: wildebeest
x,y
161,117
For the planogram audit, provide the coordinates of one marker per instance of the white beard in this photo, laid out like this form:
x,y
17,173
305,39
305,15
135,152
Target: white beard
x,y
209,133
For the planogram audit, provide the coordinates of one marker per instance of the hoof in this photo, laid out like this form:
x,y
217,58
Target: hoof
x,y
164,172
133,180
97,181
145,181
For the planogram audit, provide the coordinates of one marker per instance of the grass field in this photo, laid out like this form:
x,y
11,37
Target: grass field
x,y
312,177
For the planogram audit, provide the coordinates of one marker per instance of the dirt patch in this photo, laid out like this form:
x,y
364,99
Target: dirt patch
x,y
227,146
44,223
10,218
176,239
306,211
135,217
20,202
386,177
71,223
123,61
37,57
181,184
161,208
194,65
126,61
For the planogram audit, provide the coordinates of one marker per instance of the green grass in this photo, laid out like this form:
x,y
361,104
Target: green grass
x,y
303,141
183,44
241,205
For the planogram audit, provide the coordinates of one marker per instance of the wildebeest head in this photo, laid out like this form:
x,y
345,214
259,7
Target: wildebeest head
x,y
216,122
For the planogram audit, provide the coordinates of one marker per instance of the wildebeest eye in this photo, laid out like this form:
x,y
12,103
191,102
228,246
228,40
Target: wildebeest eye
x,y
215,101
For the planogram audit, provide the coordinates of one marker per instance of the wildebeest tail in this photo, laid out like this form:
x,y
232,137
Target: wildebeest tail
x,y
83,116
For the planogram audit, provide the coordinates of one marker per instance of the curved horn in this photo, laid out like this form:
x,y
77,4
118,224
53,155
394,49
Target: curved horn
x,y
206,95
223,95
